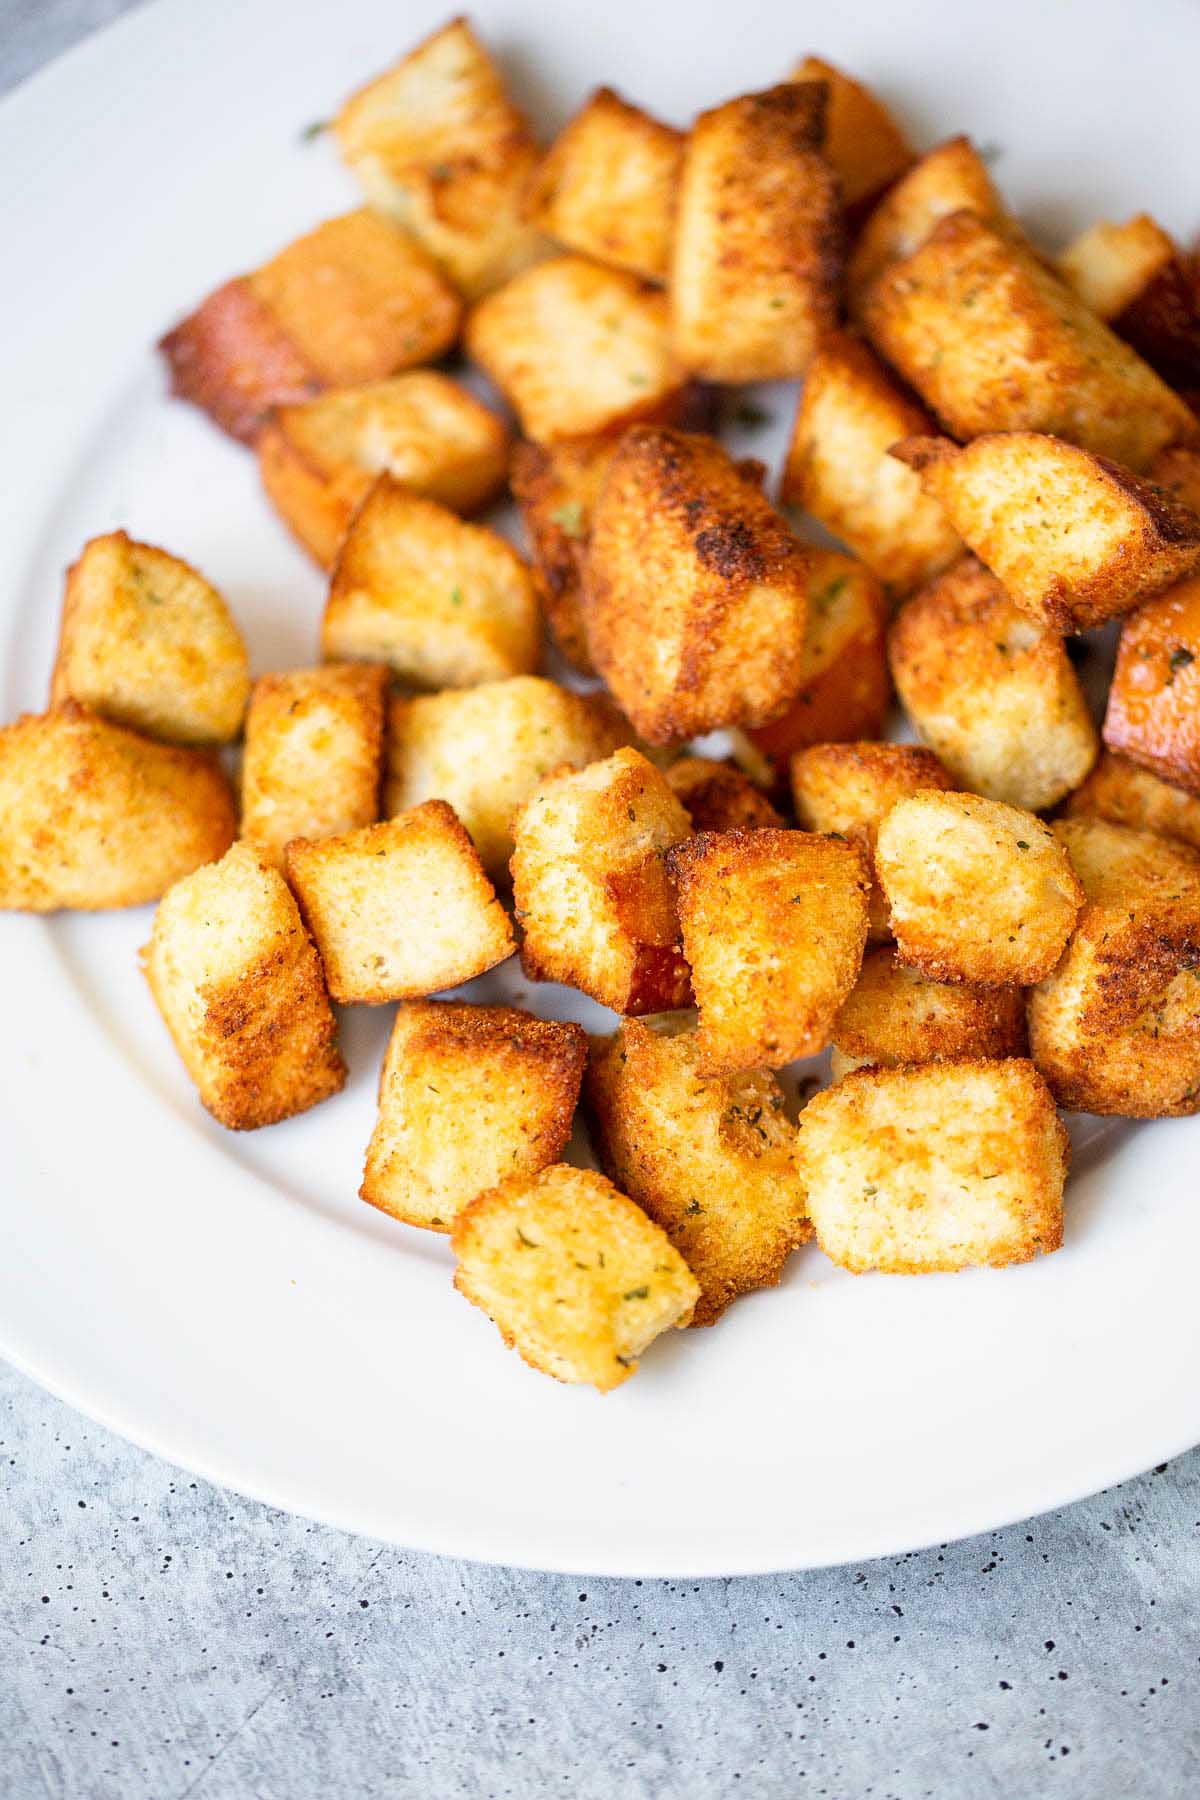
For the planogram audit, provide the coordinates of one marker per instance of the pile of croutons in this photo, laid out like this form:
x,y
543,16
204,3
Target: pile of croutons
x,y
988,924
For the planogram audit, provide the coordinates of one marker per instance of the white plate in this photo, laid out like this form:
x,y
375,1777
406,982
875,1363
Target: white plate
x,y
227,1301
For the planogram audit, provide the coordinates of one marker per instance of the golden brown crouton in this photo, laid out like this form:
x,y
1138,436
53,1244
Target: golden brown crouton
x,y
718,797
437,143
946,180
711,1161
838,469
313,757
757,257
1117,790
1116,1027
591,888
239,984
442,602
485,749
468,1096
607,186
318,460
944,1166
577,348
555,488
976,890
401,909
992,340
695,590
991,691
577,1278
352,301
863,145
93,816
147,642
773,925
1153,712
845,790
1136,279
1073,538
896,1015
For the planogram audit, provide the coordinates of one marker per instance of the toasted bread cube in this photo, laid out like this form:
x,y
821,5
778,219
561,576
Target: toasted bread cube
x,y
1073,538
1153,714
147,642
313,757
846,790
757,259
976,890
1117,790
399,910
992,340
991,691
718,797
773,925
233,359
838,468
485,749
948,179
1178,471
710,1160
940,1167
555,487
577,1278
1115,1028
437,143
895,1015
591,888
94,817
607,186
863,143
442,602
1136,279
318,460
696,592
239,985
468,1096
577,348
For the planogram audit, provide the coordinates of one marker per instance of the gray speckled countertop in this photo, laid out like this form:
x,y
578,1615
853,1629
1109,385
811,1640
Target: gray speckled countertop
x,y
159,1638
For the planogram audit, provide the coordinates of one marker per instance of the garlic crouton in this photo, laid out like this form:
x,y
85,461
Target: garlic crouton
x,y
93,816
591,888
710,1160
1117,790
468,1096
1135,277
239,985
941,1167
863,145
948,179
1153,712
896,1015
147,642
555,488
577,1278
976,890
718,797
401,909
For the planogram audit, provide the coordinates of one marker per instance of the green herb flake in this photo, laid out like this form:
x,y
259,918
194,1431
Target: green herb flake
x,y
569,518
529,1243
1021,844
824,597
637,1293
868,1191
1179,658
317,129
693,1208
456,596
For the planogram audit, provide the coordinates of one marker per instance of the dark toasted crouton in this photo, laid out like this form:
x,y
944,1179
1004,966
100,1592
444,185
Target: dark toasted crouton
x,y
1178,471
718,797
1117,790
555,487
895,1015
946,180
863,144
1153,712
1137,279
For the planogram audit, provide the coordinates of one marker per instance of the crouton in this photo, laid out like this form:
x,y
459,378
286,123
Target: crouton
x,y
313,757
940,1167
146,642
1073,538
352,301
948,179
93,816
577,1278
442,602
1136,279
1117,790
318,460
607,186
1153,714
401,909
239,985
773,926
992,340
863,145
896,1015
437,143
991,691
577,348
555,488
485,749
718,797
711,1161
695,593
1115,1029
757,259
976,890
845,790
468,1096
1178,471
838,468
591,888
